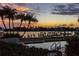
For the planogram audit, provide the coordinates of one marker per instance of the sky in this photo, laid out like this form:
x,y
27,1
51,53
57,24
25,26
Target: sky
x,y
50,14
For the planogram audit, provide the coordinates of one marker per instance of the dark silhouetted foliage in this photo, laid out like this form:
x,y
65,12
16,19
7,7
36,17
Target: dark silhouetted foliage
x,y
8,49
72,48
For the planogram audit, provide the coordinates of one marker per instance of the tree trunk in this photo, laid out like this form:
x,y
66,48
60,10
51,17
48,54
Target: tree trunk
x,y
25,30
19,27
9,26
20,24
13,26
29,24
3,22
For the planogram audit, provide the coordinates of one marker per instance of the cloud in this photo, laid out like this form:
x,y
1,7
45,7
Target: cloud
x,y
18,6
66,9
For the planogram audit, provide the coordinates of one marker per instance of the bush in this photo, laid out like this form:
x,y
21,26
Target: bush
x,y
72,48
8,49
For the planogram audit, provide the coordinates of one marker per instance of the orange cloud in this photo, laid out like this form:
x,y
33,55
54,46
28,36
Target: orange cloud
x,y
20,8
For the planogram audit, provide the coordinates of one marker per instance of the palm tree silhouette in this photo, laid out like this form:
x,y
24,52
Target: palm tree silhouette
x,y
2,13
21,17
30,18
13,12
9,13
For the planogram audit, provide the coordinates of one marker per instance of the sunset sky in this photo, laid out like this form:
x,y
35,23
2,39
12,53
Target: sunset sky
x,y
50,14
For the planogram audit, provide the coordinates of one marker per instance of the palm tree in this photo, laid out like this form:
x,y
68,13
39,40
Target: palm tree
x,y
13,12
21,17
2,17
30,18
9,13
